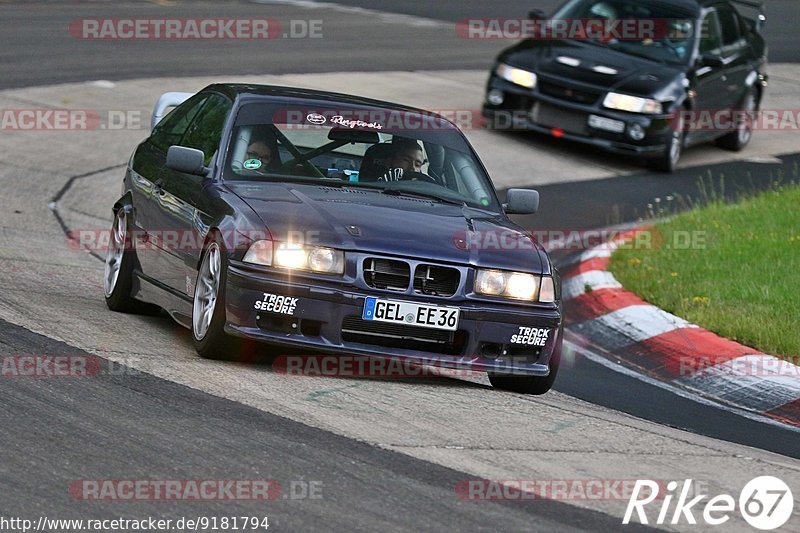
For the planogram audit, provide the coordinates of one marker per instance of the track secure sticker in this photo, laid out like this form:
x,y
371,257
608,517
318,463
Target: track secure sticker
x,y
530,336
284,305
252,164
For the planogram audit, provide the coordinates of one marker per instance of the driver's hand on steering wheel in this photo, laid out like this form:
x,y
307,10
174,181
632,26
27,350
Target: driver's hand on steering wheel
x,y
411,175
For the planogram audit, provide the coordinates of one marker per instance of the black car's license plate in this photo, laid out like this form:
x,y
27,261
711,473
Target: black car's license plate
x,y
555,117
411,313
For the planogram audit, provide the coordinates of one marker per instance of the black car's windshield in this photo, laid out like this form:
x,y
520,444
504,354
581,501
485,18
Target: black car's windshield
x,y
393,152
643,29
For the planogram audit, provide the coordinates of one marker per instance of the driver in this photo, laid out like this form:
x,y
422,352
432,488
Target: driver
x,y
406,156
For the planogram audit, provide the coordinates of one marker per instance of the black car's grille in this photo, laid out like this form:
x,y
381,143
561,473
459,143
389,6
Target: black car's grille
x,y
355,329
435,280
568,93
387,274
556,117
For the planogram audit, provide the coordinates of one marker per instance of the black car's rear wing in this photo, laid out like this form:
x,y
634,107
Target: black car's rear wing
x,y
752,11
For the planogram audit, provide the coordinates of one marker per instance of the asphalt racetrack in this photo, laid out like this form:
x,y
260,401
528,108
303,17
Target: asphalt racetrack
x,y
349,454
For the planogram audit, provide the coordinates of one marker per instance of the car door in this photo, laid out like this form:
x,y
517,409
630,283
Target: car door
x,y
709,80
736,54
147,177
185,207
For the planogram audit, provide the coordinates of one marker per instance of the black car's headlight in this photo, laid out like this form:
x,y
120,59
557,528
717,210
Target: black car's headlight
x,y
516,75
296,256
516,285
633,104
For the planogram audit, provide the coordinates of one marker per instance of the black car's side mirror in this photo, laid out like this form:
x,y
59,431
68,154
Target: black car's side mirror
x,y
188,160
536,14
521,202
712,60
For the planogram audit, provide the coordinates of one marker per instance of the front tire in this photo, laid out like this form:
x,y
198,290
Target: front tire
x,y
208,307
118,271
667,161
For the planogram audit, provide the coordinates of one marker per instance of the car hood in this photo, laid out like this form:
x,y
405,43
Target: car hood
x,y
624,72
367,221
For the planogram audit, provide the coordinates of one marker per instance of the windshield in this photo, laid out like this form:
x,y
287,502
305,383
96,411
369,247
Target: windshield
x,y
391,152
648,30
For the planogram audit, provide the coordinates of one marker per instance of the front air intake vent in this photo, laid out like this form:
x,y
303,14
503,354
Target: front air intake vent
x,y
387,274
435,280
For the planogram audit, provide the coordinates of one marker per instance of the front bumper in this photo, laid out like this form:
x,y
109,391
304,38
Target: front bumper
x,y
531,109
327,318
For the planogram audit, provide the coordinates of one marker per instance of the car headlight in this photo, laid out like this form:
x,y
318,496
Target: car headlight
x,y
516,75
517,285
259,253
296,257
634,104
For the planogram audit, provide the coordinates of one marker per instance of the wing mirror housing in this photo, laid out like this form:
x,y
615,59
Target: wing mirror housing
x,y
188,160
521,202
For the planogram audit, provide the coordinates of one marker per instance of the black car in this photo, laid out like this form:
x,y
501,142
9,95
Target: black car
x,y
330,222
699,76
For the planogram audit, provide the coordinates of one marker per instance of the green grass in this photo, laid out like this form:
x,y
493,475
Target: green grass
x,y
740,278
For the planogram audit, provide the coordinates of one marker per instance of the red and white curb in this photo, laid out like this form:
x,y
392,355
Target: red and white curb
x,y
600,314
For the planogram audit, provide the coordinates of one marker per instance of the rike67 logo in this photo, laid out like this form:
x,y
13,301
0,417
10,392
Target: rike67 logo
x,y
766,503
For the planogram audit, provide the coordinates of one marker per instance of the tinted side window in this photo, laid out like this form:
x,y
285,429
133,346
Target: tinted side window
x,y
710,40
729,24
172,127
205,132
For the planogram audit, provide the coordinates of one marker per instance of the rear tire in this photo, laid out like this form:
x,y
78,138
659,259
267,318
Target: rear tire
x,y
737,140
118,272
530,384
208,307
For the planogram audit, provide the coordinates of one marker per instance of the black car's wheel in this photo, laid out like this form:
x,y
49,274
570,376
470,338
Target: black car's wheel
x,y
744,117
118,272
208,308
529,384
667,161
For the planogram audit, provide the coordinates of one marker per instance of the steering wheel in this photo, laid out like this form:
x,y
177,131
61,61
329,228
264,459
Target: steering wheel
x,y
410,175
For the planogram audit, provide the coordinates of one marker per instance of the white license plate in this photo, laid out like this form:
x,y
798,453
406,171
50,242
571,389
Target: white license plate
x,y
411,314
603,123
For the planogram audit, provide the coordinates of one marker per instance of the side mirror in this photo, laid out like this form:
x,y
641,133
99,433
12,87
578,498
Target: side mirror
x,y
188,160
521,202
537,14
712,60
